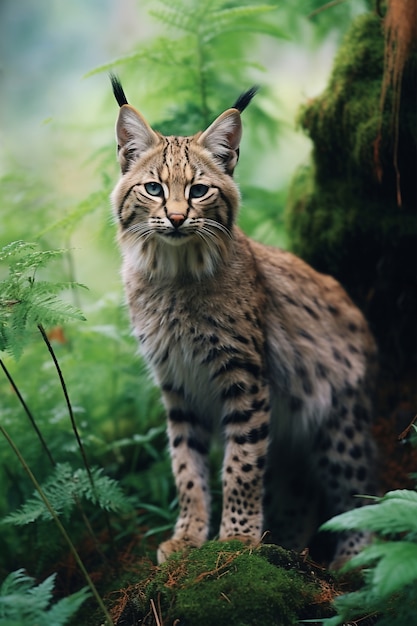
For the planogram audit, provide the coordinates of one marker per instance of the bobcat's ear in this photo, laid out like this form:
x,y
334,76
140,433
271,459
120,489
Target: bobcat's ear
x,y
134,136
222,139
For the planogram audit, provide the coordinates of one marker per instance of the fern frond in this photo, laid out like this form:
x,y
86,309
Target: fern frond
x,y
186,17
60,493
71,220
134,57
181,21
63,488
34,307
23,256
24,302
64,609
21,602
396,512
390,566
47,309
17,580
186,6
396,566
207,21
107,493
240,19
13,248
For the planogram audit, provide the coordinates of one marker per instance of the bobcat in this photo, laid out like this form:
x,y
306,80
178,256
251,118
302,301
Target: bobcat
x,y
244,336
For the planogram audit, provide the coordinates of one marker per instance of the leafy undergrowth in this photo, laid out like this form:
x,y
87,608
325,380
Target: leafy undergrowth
x,y
22,602
226,583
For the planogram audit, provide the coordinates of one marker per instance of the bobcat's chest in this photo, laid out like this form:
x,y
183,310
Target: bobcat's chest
x,y
178,334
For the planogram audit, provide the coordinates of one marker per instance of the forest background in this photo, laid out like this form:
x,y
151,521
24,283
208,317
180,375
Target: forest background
x,y
57,167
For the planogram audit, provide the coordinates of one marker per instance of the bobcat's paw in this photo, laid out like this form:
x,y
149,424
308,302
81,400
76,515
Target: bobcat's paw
x,y
174,545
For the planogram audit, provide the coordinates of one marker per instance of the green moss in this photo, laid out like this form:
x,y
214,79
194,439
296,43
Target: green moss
x,y
341,215
338,121
227,583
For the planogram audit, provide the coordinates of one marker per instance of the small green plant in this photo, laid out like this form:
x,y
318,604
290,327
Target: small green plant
x,y
22,602
25,302
65,488
389,563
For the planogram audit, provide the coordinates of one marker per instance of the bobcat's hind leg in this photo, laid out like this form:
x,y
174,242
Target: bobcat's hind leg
x,y
291,499
346,467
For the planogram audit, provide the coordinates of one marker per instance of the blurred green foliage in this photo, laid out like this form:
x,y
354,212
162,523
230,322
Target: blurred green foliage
x,y
23,602
389,564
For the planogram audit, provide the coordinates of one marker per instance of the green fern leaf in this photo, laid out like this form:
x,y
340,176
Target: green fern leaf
x,y
239,19
207,21
59,489
47,309
17,580
107,493
64,609
62,489
23,256
401,495
23,603
72,219
186,17
396,512
13,248
134,58
396,567
25,302
175,19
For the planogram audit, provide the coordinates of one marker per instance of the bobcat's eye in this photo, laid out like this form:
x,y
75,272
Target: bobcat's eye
x,y
154,189
198,191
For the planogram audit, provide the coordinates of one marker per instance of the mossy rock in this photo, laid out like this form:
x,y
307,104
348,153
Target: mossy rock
x,y
226,583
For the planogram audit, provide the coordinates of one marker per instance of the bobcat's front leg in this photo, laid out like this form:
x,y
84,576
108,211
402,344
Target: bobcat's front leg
x,y
189,444
246,430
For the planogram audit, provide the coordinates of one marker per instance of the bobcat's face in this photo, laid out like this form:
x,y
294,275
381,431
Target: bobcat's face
x,y
176,201
178,195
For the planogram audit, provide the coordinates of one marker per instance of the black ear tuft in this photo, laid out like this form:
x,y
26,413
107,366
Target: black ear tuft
x,y
244,99
119,94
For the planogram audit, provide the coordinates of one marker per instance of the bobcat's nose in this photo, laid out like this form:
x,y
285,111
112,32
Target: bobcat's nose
x,y
176,219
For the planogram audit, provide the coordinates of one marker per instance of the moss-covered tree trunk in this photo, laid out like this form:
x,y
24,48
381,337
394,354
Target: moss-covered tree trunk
x,y
352,209
343,214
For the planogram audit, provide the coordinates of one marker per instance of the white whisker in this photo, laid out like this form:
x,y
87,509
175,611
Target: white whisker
x,y
210,236
221,227
143,231
204,237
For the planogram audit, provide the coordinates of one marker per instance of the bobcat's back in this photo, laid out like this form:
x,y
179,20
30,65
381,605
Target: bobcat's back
x,y
318,343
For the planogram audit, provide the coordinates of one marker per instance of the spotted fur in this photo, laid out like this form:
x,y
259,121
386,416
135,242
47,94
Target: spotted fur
x,y
244,336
